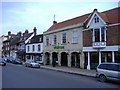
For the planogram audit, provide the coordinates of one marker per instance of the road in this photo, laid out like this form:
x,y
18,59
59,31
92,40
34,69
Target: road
x,y
19,76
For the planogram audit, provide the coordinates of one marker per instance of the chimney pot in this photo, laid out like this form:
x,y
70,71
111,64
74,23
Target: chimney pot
x,y
9,33
95,9
35,30
54,22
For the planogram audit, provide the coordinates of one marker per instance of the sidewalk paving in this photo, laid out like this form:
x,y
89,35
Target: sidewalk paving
x,y
77,71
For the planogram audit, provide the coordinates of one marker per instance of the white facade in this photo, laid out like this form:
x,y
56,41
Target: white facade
x,y
36,48
36,53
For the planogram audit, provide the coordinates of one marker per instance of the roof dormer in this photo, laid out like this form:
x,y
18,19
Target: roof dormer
x,y
95,20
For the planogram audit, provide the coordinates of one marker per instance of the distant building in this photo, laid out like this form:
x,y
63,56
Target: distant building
x,y
18,43
14,45
6,44
34,48
2,38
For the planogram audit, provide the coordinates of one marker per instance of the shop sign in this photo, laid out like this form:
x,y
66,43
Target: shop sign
x,y
58,47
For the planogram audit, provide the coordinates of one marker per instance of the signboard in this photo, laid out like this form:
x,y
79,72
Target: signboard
x,y
58,47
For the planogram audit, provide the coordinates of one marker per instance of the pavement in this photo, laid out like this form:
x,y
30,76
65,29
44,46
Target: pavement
x,y
71,70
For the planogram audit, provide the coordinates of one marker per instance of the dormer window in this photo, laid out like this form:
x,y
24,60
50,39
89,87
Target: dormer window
x,y
96,19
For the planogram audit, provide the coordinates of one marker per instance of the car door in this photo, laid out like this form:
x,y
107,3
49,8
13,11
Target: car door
x,y
112,71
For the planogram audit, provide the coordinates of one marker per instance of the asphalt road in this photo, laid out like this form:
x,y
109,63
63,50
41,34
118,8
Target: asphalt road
x,y
19,76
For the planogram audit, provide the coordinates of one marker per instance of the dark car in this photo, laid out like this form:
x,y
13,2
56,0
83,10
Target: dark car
x,y
10,59
2,62
17,61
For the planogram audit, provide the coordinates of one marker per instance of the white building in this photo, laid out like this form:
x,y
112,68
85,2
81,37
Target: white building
x,y
34,48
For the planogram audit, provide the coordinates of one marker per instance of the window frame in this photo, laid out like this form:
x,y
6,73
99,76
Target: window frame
x,y
64,38
75,37
47,40
39,47
33,48
28,48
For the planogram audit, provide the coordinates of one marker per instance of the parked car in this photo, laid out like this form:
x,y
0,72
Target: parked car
x,y
30,63
17,61
108,71
10,59
2,62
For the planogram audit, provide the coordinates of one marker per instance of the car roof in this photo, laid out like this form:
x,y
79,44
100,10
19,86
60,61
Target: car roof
x,y
111,63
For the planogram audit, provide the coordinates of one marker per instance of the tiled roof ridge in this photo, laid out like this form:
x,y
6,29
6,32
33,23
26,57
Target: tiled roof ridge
x,y
68,22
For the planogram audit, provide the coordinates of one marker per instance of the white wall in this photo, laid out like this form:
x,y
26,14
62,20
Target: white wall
x,y
36,48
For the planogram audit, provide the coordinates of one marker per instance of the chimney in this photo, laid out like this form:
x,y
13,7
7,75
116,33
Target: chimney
x,y
54,22
9,33
19,34
95,10
35,30
26,31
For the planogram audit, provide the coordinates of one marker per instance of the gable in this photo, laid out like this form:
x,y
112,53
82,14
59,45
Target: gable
x,y
95,20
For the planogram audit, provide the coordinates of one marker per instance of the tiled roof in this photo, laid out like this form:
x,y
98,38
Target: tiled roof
x,y
36,39
69,22
25,37
15,40
110,16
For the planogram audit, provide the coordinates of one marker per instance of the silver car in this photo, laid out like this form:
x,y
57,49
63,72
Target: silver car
x,y
30,63
2,62
108,71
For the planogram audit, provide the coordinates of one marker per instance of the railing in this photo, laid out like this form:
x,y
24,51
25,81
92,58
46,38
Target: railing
x,y
99,44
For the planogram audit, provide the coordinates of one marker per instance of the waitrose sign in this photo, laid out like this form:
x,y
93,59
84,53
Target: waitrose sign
x,y
58,47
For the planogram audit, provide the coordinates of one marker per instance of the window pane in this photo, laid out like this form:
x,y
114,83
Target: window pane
x,y
63,38
33,47
103,34
38,47
75,37
55,39
28,48
47,41
97,35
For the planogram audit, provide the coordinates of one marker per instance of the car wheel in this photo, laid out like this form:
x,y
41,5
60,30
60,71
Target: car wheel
x,y
102,78
4,64
31,65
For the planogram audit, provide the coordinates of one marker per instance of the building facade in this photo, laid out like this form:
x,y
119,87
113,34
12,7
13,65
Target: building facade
x,y
6,44
63,43
2,38
34,48
101,38
18,44
84,41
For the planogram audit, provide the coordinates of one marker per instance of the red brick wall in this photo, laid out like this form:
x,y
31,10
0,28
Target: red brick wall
x,y
113,35
87,38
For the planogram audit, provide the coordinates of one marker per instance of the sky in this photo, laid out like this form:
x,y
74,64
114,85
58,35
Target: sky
x,y
22,15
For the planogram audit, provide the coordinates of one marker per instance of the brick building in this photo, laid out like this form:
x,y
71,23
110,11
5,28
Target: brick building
x,y
101,38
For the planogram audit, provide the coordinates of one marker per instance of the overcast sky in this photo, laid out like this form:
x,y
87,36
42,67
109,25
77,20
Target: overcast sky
x,y
18,16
